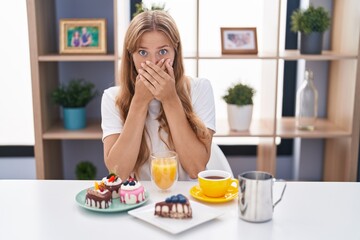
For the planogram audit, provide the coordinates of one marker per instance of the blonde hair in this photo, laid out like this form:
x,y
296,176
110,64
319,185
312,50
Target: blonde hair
x,y
163,22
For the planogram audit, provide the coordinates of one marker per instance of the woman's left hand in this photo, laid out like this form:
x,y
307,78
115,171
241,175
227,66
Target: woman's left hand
x,y
161,83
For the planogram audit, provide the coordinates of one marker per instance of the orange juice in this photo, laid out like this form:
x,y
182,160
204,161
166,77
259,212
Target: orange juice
x,y
164,172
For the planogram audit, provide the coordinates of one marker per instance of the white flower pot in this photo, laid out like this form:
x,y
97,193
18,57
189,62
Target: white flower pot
x,y
239,117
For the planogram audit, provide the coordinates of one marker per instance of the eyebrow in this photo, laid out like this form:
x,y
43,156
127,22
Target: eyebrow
x,y
157,48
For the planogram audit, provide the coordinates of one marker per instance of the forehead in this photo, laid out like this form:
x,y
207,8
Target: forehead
x,y
154,39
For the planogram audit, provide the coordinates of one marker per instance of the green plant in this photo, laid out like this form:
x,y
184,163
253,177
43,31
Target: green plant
x,y
85,171
310,20
239,94
78,93
140,7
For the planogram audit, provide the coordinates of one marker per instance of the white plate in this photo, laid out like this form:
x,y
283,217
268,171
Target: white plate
x,y
200,214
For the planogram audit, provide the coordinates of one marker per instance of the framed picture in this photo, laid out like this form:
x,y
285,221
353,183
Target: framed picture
x,y
238,41
79,36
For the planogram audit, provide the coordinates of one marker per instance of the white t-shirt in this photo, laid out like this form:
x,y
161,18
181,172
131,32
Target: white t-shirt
x,y
202,98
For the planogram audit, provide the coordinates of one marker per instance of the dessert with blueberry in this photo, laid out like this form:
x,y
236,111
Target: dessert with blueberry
x,y
98,197
112,183
131,191
176,206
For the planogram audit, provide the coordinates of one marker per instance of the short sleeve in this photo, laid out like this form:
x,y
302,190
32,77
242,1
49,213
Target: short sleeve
x,y
111,122
203,102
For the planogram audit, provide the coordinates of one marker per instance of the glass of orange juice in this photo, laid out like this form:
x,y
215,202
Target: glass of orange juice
x,y
164,169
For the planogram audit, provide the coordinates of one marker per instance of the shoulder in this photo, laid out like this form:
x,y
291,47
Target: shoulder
x,y
111,92
200,84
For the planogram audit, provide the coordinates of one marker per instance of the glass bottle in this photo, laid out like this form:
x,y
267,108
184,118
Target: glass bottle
x,y
306,103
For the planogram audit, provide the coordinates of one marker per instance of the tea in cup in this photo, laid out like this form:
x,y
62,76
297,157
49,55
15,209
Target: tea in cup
x,y
215,183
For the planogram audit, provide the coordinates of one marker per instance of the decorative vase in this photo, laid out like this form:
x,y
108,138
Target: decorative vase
x,y
74,118
311,43
306,103
239,117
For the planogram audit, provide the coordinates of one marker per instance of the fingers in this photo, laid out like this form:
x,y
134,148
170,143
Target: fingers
x,y
169,68
155,70
158,78
161,64
150,86
148,77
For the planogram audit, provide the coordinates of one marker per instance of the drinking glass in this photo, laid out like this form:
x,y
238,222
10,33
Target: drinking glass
x,y
164,169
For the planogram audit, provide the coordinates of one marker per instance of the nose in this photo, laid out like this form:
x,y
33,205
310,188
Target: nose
x,y
154,58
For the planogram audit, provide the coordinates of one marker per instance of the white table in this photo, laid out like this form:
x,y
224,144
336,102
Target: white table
x,y
46,209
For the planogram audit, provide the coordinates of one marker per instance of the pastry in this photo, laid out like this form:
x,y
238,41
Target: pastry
x,y
112,183
98,197
176,206
132,192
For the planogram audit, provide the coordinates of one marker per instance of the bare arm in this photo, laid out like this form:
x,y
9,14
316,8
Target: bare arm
x,y
121,150
193,154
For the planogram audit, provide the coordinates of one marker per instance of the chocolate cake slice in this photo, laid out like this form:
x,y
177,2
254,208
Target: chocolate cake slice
x,y
176,206
112,183
98,197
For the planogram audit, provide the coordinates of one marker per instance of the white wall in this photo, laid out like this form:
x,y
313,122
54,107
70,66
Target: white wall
x,y
16,112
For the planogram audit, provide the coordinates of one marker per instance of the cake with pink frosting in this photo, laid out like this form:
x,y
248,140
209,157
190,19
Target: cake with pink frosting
x,y
112,183
98,197
132,192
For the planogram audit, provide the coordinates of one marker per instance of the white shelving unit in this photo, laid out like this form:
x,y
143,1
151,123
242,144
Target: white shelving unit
x,y
340,129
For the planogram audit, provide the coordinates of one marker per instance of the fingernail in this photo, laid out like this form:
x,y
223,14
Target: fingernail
x,y
140,70
162,60
147,62
142,64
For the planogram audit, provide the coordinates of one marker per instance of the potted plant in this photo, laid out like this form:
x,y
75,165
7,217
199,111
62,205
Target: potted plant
x,y
140,7
73,98
85,171
311,23
239,99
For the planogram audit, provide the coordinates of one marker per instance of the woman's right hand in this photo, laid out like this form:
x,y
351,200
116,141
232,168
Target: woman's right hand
x,y
142,93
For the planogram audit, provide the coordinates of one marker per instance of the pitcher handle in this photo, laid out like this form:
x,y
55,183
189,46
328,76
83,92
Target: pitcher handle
x,y
282,194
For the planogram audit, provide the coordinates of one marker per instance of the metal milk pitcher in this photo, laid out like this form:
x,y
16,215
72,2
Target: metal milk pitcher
x,y
255,199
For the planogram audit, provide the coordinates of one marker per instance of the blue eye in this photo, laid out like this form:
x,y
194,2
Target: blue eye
x,y
163,52
142,53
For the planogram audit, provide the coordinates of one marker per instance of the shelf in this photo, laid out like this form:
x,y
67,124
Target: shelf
x,y
91,132
323,129
258,128
260,55
285,55
72,58
326,55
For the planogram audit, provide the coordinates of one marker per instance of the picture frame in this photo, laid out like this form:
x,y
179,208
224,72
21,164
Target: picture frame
x,y
238,40
82,36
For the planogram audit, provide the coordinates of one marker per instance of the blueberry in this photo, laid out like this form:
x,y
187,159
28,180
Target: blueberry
x,y
175,199
182,199
132,183
126,183
168,200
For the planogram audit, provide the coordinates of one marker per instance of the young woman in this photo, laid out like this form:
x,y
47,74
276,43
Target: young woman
x,y
156,107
